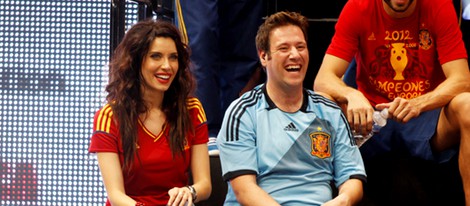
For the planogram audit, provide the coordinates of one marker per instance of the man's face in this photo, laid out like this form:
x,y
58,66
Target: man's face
x,y
399,6
288,60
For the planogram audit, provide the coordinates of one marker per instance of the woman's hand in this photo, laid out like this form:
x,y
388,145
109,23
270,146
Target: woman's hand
x,y
180,196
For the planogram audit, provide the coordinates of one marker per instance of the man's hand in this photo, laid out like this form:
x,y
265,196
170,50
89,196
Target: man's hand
x,y
401,110
359,112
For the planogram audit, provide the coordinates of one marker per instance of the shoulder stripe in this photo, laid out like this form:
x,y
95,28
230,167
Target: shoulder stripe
x,y
104,119
351,138
194,103
233,121
323,100
327,102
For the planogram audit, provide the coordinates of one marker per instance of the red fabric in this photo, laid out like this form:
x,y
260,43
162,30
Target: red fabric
x,y
387,44
158,172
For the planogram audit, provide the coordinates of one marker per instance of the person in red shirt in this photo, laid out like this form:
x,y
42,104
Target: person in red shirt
x,y
412,60
152,134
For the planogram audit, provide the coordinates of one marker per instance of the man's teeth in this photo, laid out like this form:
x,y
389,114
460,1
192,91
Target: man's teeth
x,y
293,68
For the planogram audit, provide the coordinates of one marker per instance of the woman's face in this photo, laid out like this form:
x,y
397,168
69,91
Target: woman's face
x,y
159,65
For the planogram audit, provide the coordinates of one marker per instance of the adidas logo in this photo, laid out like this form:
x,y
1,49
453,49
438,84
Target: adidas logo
x,y
371,37
291,128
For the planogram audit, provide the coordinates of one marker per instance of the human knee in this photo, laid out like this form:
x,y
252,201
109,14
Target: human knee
x,y
461,105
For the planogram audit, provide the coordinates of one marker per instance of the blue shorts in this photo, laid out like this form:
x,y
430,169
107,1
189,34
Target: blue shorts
x,y
412,138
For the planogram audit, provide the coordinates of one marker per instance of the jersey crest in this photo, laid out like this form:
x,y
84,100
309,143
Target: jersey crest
x,y
320,142
425,39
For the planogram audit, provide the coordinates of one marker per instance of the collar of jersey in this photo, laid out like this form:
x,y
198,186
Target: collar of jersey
x,y
155,137
271,104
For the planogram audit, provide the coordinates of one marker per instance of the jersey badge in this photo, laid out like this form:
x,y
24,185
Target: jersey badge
x,y
320,144
425,39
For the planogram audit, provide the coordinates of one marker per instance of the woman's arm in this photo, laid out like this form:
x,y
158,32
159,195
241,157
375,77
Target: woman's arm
x,y
201,178
200,170
111,173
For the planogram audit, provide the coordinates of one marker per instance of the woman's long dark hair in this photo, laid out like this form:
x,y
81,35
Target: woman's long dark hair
x,y
124,88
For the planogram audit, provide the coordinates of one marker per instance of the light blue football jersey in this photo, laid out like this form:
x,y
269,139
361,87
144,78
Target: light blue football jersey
x,y
295,156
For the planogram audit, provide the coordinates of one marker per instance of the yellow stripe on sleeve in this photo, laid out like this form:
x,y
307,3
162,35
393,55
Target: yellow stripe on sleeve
x,y
104,119
194,103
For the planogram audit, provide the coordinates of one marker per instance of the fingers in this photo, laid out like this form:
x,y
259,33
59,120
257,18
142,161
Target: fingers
x,y
350,116
180,196
369,120
383,106
360,122
360,119
172,197
402,110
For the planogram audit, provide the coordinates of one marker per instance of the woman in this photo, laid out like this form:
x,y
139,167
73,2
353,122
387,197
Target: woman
x,y
151,133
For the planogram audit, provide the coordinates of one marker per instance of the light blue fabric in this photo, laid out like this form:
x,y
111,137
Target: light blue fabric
x,y
294,155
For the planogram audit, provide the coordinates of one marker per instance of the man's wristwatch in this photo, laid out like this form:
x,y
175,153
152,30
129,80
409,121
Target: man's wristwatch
x,y
193,192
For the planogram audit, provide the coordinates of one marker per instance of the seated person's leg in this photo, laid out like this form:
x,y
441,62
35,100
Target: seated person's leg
x,y
454,128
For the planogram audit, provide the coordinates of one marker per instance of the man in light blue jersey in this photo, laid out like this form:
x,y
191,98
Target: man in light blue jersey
x,y
281,144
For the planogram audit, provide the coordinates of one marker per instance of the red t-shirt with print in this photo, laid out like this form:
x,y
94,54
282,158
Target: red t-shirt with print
x,y
398,57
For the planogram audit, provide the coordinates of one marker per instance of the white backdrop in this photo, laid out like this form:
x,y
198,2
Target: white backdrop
x,y
52,78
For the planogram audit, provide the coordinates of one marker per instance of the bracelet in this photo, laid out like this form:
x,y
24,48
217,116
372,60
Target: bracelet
x,y
193,192
139,204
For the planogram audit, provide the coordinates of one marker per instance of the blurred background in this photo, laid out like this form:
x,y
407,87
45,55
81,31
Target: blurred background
x,y
53,57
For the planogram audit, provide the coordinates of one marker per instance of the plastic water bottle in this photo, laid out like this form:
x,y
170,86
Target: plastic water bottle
x,y
380,120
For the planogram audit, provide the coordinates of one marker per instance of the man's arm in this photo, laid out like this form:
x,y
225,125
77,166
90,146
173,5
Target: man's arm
x,y
457,81
248,192
350,193
329,80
